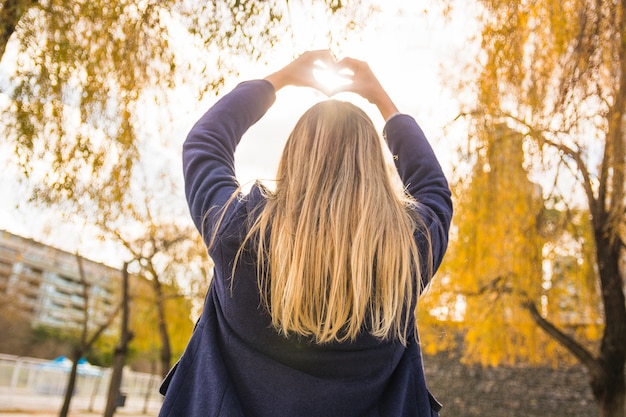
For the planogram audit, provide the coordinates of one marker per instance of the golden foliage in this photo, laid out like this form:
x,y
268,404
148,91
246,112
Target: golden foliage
x,y
551,83
144,320
82,67
496,262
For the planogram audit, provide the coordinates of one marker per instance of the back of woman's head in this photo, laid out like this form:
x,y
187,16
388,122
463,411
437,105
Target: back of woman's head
x,y
333,147
336,246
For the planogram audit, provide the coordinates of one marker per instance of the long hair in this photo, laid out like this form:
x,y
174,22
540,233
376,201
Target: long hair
x,y
335,248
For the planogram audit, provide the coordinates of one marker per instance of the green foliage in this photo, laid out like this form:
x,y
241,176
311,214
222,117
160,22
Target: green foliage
x,y
43,333
61,342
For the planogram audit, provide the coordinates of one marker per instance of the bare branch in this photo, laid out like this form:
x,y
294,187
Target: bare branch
x,y
86,341
497,285
102,327
579,351
541,137
83,280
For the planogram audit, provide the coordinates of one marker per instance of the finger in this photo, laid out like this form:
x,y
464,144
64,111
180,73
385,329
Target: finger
x,y
323,56
351,64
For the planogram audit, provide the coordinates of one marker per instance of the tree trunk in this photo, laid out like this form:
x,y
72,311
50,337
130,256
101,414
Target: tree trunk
x,y
85,342
609,386
166,353
71,383
120,351
609,394
115,383
606,372
607,216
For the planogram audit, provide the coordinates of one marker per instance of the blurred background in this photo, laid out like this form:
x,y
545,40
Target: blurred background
x,y
102,274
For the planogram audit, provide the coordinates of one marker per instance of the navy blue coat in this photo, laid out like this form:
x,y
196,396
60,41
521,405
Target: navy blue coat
x,y
236,364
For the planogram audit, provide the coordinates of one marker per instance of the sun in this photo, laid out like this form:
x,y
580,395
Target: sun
x,y
332,78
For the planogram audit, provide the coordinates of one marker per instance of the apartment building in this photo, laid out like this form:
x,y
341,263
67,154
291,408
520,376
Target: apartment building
x,y
45,284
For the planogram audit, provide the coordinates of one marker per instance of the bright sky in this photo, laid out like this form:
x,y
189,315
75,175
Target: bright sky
x,y
411,50
414,52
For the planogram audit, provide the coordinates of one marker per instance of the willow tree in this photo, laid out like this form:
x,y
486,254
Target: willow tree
x,y
494,257
79,69
555,73
81,74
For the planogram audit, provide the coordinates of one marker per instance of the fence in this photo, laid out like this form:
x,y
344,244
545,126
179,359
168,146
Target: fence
x,y
28,384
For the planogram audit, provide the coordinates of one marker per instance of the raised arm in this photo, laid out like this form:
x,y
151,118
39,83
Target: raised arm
x,y
365,84
424,179
208,151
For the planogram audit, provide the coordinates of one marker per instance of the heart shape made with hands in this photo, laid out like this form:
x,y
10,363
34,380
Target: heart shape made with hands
x,y
332,78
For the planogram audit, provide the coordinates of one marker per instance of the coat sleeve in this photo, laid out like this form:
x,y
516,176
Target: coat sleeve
x,y
208,151
424,179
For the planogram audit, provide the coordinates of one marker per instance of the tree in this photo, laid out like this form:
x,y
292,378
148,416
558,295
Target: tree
x,y
168,251
159,252
82,68
555,73
119,357
84,73
145,346
85,342
495,257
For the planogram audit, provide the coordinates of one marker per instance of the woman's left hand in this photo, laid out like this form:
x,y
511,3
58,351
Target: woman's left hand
x,y
300,72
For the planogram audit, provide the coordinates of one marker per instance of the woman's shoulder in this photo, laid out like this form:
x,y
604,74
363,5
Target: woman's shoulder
x,y
255,199
243,210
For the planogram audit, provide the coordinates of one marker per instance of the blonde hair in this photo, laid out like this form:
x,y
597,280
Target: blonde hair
x,y
335,241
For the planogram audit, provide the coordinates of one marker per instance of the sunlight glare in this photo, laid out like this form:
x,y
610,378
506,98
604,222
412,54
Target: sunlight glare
x,y
332,78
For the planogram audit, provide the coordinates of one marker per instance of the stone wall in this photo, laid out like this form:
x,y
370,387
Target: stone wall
x,y
468,391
